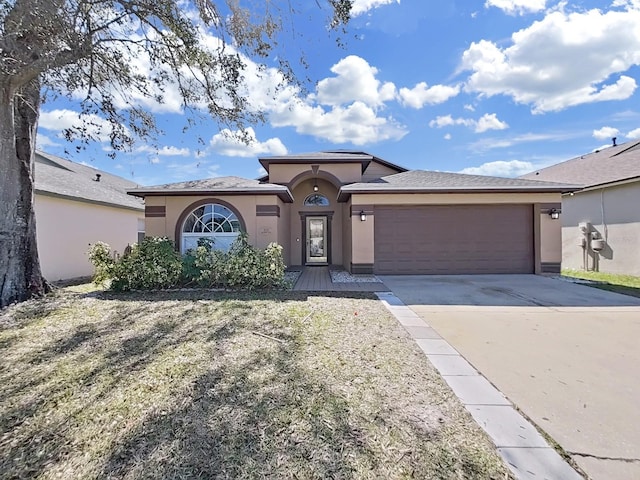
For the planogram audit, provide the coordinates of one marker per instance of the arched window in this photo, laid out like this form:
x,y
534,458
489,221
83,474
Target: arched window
x,y
211,221
316,200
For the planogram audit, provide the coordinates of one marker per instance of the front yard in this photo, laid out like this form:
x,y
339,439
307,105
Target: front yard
x,y
219,385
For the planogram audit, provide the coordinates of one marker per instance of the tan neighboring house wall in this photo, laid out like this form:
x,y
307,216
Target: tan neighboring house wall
x,y
66,228
613,214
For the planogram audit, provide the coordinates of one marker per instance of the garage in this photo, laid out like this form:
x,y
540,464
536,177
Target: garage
x,y
454,239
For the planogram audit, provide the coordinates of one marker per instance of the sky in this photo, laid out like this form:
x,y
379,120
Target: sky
x,y
495,87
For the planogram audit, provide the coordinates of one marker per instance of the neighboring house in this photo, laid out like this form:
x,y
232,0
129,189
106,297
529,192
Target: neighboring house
x,y
600,222
368,215
77,205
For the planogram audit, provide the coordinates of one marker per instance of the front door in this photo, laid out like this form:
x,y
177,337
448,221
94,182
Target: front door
x,y
317,244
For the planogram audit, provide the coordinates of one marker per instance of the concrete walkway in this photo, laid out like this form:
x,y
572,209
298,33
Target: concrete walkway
x,y
318,279
566,355
524,450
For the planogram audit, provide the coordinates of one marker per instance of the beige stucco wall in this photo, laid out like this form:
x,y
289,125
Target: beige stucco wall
x,y
284,173
376,170
347,239
614,213
551,239
284,227
66,228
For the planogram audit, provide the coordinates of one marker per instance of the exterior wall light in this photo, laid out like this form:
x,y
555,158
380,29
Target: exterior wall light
x,y
315,188
554,214
363,216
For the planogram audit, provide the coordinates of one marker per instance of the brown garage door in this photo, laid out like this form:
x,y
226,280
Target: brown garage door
x,y
454,239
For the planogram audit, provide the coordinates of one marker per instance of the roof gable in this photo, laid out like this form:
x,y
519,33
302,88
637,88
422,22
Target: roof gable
x,y
609,165
334,156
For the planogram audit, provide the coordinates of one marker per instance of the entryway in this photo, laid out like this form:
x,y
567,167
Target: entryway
x,y
317,241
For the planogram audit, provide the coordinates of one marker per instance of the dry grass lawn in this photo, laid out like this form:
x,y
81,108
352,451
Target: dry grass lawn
x,y
221,385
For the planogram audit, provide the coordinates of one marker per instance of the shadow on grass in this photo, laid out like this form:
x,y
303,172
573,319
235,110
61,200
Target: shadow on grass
x,y
253,408
240,422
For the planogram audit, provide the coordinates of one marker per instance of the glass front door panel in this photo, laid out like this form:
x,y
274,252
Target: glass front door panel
x,y
316,239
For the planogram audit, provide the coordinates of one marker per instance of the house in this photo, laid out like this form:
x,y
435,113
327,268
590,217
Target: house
x,y
77,205
356,210
601,221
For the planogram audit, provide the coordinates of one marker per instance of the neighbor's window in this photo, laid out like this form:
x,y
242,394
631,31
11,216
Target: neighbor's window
x,y
212,221
316,200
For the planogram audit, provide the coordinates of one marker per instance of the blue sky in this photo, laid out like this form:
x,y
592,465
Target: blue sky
x,y
495,87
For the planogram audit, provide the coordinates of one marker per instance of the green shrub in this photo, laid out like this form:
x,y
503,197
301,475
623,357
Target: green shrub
x,y
155,264
102,259
152,264
243,266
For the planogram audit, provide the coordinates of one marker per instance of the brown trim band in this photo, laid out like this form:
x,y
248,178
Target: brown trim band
x,y
267,210
550,267
357,209
362,268
155,211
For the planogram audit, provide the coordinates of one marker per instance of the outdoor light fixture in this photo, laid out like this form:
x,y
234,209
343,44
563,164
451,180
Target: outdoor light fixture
x,y
315,188
554,214
363,216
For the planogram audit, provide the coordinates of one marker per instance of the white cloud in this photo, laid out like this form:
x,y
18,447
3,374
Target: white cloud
x,y
62,119
501,168
422,94
231,144
154,160
490,122
513,7
605,133
42,142
355,81
563,60
489,143
447,136
448,121
356,123
634,134
469,107
165,151
363,6
486,122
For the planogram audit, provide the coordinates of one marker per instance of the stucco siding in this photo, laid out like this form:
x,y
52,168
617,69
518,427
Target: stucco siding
x,y
612,213
551,233
284,173
377,170
66,228
347,243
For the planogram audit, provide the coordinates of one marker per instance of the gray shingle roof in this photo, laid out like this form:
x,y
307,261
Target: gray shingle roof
x,y
216,185
421,181
333,156
611,164
59,177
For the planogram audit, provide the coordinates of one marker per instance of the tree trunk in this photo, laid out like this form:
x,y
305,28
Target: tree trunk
x,y
20,275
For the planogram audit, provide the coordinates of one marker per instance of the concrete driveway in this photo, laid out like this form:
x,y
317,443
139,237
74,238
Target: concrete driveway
x,y
567,355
